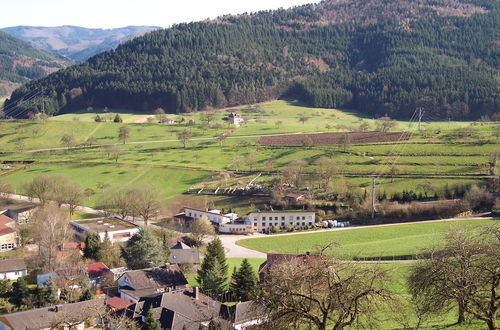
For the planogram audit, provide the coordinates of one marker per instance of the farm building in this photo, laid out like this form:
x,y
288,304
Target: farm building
x,y
263,221
118,230
8,234
12,269
240,226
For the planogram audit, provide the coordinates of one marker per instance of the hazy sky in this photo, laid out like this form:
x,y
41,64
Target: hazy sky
x,y
119,13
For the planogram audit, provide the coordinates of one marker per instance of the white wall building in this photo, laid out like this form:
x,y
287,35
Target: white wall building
x,y
118,230
264,221
214,216
239,228
12,269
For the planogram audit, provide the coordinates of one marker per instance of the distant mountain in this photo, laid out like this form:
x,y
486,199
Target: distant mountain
x,y
76,43
380,57
20,62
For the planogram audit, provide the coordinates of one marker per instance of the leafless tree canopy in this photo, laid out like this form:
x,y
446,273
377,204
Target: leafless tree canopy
x,y
326,292
464,273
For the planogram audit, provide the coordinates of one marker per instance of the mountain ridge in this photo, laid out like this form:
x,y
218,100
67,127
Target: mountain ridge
x,y
378,57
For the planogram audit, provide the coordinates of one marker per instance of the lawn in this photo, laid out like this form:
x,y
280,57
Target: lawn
x,y
385,241
103,178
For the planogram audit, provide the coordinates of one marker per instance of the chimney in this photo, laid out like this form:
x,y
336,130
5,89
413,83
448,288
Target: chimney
x,y
58,308
196,292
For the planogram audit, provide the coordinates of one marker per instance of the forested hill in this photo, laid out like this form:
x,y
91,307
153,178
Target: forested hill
x,y
20,62
377,56
75,42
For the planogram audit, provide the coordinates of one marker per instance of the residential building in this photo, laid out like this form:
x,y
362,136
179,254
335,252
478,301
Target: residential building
x,y
181,254
12,269
235,119
96,273
190,309
263,221
8,234
275,259
117,304
118,230
67,316
20,212
139,283
239,227
215,216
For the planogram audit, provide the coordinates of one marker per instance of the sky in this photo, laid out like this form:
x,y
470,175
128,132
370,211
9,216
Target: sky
x,y
120,13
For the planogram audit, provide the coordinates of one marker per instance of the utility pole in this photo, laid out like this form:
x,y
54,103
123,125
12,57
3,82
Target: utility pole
x,y
420,115
373,197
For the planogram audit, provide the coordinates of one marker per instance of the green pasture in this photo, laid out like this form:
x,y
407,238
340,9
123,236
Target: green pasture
x,y
171,182
127,116
385,241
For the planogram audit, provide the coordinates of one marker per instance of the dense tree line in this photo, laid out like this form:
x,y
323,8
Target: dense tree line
x,y
386,65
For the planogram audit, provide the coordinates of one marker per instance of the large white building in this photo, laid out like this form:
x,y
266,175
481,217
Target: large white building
x,y
215,216
263,221
118,230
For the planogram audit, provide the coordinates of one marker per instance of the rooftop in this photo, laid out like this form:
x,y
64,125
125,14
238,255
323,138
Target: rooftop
x,y
100,225
12,265
7,204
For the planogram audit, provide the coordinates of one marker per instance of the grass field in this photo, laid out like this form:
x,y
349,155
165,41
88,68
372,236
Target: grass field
x,y
386,241
152,151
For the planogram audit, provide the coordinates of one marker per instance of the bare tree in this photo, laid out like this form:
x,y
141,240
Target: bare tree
x,y
201,229
278,123
40,187
50,228
293,173
221,138
184,137
324,292
124,133
144,201
237,162
464,273
251,160
384,124
68,140
160,114
303,119
325,169
66,191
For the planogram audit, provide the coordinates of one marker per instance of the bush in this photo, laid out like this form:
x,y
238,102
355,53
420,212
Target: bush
x,y
478,199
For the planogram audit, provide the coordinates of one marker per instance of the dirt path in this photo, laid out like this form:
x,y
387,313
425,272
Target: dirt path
x,y
143,119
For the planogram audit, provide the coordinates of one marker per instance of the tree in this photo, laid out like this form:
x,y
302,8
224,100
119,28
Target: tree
x,y
201,229
393,172
92,247
66,191
159,114
212,275
464,273
244,282
384,124
118,118
87,294
56,230
151,322
346,141
324,171
68,140
107,252
144,201
142,251
221,138
251,160
20,293
278,123
124,133
303,119
323,291
184,137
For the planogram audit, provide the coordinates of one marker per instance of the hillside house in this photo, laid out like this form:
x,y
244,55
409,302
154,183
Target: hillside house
x,y
263,221
181,254
8,233
135,284
117,230
12,269
235,119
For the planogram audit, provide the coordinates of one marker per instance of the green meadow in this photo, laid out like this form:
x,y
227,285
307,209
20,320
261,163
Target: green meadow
x,y
385,241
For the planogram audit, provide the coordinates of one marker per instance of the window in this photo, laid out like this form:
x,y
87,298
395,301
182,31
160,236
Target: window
x,y
298,218
275,218
282,224
263,218
263,224
283,218
303,218
7,246
255,224
310,223
303,223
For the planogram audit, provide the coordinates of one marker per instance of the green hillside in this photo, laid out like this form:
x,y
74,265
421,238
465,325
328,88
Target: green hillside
x,y
20,62
378,57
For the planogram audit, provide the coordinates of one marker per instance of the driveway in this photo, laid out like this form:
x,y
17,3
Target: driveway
x,y
235,251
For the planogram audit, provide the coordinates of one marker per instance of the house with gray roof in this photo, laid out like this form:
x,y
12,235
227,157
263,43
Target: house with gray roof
x,y
182,254
12,269
54,317
139,283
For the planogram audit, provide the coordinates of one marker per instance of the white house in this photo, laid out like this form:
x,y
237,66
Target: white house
x,y
235,119
264,221
240,228
215,216
12,269
117,230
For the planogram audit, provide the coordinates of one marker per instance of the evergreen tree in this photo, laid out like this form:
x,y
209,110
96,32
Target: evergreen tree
x,y
151,322
244,282
87,294
118,119
20,292
106,251
92,247
51,296
39,297
212,276
142,251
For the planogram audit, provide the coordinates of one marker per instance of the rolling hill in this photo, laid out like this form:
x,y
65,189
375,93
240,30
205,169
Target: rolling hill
x,y
74,42
20,62
378,57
